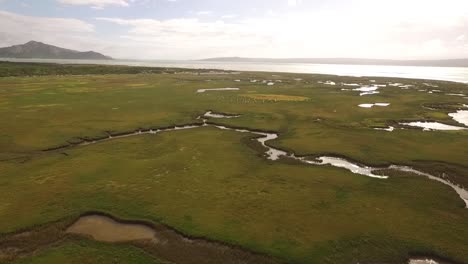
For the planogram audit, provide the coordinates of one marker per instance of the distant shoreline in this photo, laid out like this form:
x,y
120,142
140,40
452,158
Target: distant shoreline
x,y
453,74
349,61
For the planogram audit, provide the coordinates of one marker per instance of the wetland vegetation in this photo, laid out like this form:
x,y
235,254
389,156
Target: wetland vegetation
x,y
217,185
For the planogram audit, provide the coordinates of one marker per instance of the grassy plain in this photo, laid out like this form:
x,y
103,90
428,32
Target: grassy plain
x,y
275,97
89,252
216,184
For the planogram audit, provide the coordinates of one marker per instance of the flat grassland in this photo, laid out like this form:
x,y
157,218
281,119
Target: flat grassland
x,y
276,97
216,184
89,252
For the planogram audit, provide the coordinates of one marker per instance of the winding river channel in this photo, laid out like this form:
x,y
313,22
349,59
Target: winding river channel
x,y
274,154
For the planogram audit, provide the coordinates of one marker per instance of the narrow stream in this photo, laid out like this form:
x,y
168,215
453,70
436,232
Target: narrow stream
x,y
275,154
427,261
218,115
422,261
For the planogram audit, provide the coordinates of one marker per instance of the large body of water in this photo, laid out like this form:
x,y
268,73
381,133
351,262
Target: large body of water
x,y
415,72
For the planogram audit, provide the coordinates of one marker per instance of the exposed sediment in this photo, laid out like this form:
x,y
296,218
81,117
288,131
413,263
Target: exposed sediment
x,y
163,242
159,240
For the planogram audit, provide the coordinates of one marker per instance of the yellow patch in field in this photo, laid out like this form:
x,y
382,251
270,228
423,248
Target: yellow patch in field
x,y
4,206
136,84
276,97
35,89
41,105
80,90
43,179
115,185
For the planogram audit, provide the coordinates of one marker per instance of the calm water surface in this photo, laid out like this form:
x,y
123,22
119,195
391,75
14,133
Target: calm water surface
x,y
416,72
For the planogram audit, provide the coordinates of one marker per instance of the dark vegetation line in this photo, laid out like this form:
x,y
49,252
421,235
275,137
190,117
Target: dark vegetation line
x,y
15,69
82,141
25,69
196,249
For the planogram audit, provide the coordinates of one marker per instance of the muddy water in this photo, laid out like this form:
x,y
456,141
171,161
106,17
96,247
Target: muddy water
x,y
368,90
354,168
164,242
461,116
102,228
372,105
427,260
217,89
273,154
211,114
428,126
423,261
389,128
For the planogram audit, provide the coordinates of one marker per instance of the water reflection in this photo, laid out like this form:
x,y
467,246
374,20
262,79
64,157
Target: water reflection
x,y
456,74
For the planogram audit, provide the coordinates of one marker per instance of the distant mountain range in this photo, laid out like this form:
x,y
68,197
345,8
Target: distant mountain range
x,y
440,63
39,50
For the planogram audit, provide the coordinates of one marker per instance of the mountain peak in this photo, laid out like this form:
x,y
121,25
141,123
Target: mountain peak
x,y
33,42
38,50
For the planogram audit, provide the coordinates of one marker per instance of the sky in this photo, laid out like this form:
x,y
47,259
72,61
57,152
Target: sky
x,y
196,29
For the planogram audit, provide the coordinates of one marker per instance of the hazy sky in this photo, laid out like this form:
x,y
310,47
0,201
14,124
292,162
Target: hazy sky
x,y
191,29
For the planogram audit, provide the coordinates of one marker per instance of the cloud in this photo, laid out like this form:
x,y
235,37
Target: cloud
x,y
188,37
369,29
294,2
65,32
396,29
204,13
229,16
12,22
97,4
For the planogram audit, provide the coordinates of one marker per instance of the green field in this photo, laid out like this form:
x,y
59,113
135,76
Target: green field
x,y
89,252
216,184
